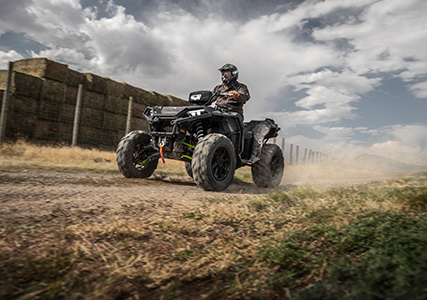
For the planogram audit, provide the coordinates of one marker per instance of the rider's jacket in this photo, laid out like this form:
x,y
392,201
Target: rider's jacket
x,y
236,104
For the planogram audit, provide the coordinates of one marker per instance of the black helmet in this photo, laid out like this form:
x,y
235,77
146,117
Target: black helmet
x,y
234,73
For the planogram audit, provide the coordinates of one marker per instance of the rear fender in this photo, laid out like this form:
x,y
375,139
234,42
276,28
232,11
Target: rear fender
x,y
260,132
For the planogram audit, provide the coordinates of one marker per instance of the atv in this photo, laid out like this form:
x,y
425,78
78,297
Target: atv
x,y
212,141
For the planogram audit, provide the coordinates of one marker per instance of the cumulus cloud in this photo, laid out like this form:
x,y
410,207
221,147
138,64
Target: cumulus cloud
x,y
390,37
6,57
330,53
419,89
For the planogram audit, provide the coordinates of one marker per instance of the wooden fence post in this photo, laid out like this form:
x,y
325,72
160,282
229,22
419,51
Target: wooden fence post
x,y
77,116
5,104
296,154
129,117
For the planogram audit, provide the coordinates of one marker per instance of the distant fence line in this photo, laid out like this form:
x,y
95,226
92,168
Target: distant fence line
x,y
294,157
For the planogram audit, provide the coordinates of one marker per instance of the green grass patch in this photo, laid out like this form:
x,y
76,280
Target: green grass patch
x,y
377,256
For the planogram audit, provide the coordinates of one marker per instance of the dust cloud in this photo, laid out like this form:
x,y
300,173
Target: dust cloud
x,y
333,174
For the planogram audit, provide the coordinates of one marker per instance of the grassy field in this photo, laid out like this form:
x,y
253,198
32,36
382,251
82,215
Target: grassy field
x,y
364,241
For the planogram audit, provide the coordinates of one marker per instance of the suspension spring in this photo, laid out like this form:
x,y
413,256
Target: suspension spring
x,y
199,131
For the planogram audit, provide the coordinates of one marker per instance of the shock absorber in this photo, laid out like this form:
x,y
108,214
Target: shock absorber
x,y
199,131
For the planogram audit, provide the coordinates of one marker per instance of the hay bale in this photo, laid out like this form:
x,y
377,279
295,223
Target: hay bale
x,y
175,101
53,91
114,121
116,105
75,78
139,124
67,113
3,79
139,95
154,99
71,95
95,83
163,100
65,132
89,135
42,67
23,105
114,88
138,110
46,130
49,110
91,117
26,85
93,100
20,122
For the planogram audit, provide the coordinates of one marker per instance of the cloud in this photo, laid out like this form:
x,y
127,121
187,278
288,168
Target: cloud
x,y
390,37
5,57
14,16
121,43
419,89
326,54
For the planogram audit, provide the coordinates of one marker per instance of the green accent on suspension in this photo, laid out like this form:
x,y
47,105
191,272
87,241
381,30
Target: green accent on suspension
x,y
188,145
143,162
186,156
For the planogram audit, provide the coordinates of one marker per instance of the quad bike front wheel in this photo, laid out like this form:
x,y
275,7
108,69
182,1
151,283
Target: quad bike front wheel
x,y
188,169
268,171
214,162
132,154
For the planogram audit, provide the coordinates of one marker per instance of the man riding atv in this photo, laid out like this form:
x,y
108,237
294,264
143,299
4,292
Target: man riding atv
x,y
233,94
209,136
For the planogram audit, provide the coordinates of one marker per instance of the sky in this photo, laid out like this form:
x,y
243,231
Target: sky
x,y
342,77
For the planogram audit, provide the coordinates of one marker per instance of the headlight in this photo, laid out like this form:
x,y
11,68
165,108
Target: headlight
x,y
194,113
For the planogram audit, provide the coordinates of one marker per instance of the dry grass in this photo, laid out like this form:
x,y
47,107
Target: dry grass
x,y
259,246
289,243
24,154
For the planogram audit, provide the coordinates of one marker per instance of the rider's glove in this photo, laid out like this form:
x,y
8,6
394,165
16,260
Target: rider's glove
x,y
233,94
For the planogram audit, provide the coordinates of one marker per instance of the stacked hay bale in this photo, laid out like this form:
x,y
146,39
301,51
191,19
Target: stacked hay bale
x,y
23,104
43,100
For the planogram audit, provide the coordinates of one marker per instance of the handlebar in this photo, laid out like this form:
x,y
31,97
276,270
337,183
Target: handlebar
x,y
215,96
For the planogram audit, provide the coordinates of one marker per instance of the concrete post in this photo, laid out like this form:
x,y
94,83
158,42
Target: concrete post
x,y
129,117
5,104
77,115
291,158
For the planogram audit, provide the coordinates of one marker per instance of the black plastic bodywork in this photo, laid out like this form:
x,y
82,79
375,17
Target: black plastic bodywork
x,y
176,131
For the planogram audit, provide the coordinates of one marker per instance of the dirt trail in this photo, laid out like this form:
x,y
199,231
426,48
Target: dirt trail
x,y
28,195
37,194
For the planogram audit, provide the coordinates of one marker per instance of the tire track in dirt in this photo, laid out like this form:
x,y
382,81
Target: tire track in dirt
x,y
28,195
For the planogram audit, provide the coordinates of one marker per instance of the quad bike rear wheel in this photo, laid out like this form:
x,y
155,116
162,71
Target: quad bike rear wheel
x,y
268,171
214,162
132,154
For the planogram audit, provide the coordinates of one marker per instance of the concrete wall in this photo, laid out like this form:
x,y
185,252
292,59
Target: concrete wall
x,y
43,98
